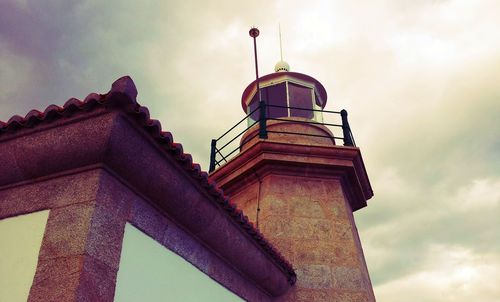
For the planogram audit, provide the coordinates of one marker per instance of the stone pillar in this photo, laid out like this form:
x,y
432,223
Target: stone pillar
x,y
80,252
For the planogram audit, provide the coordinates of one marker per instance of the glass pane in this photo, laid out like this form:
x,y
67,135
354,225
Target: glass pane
x,y
300,97
275,95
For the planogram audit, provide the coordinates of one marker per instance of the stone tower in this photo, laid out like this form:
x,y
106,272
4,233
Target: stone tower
x,y
300,187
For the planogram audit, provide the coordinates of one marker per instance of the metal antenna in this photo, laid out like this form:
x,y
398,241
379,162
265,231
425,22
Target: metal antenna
x,y
281,47
254,33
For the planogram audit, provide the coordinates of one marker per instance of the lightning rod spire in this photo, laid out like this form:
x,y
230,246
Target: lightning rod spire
x,y
281,46
281,66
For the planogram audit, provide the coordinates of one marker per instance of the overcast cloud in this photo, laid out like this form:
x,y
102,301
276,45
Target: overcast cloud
x,y
420,79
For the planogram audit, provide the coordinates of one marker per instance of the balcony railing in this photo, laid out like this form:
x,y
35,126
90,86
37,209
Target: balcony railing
x,y
229,145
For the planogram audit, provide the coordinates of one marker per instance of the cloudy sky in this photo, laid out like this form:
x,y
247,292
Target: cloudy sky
x,y
420,79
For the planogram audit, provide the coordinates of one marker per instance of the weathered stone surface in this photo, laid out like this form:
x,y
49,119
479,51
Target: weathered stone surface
x,y
306,213
32,197
280,226
277,226
104,241
147,219
314,276
293,127
308,295
63,145
347,278
126,86
335,210
67,231
346,296
305,207
97,281
112,208
247,200
310,228
344,256
193,251
311,251
73,278
342,232
56,279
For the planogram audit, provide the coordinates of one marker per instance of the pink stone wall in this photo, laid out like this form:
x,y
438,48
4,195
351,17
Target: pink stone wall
x,y
274,127
310,221
71,264
80,252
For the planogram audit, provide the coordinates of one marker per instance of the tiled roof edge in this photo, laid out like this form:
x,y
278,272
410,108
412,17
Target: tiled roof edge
x,y
123,95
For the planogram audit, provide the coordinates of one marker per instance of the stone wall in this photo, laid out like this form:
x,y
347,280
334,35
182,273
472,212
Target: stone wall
x,y
310,221
80,253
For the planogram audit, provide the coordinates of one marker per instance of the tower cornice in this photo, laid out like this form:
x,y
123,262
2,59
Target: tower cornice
x,y
264,157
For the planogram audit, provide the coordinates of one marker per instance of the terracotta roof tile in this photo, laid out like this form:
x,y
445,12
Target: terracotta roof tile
x,y
115,98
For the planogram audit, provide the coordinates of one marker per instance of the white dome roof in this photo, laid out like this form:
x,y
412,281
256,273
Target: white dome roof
x,y
281,66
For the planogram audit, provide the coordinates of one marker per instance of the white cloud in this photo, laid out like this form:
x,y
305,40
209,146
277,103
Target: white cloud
x,y
480,194
450,274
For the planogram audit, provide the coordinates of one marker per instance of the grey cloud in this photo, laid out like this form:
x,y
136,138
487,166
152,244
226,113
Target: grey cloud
x,y
433,123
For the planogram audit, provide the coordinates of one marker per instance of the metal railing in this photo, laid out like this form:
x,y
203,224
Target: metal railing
x,y
219,155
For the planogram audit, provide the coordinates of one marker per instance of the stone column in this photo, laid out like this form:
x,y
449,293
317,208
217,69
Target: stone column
x,y
80,252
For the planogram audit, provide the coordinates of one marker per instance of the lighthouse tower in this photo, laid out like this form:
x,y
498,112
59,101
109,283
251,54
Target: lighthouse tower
x,y
299,184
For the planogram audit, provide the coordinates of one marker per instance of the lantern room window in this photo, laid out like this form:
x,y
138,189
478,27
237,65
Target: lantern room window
x,y
271,95
300,97
286,95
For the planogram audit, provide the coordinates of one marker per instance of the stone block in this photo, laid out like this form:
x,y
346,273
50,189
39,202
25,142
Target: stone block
x,y
309,295
114,196
249,209
147,219
181,243
67,231
106,236
342,232
275,226
335,210
306,208
346,296
51,193
347,278
344,256
97,281
56,279
314,276
310,251
74,278
274,205
310,228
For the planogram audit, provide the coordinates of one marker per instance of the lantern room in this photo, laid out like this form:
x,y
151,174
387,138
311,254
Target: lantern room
x,y
285,94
